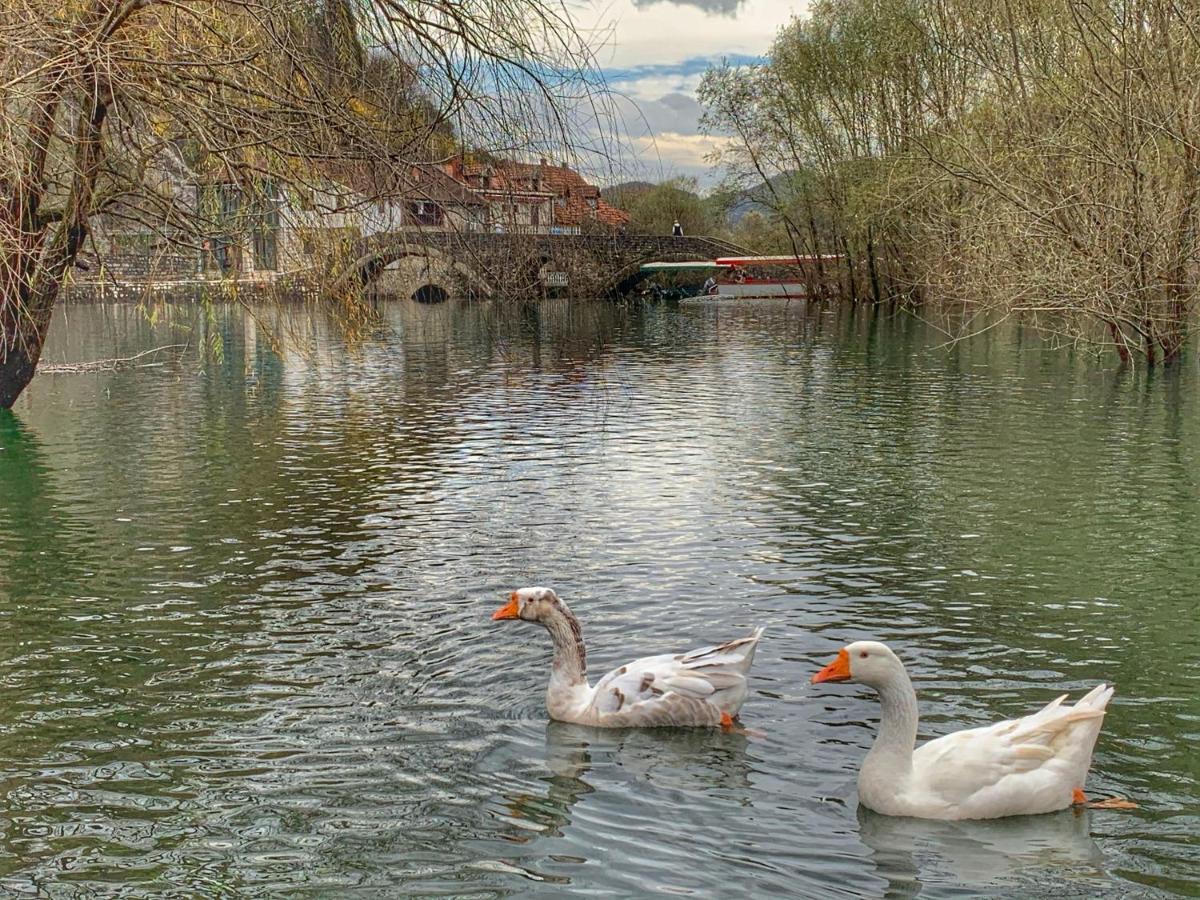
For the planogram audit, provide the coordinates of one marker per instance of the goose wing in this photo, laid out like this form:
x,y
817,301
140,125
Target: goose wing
x,y
698,685
1026,765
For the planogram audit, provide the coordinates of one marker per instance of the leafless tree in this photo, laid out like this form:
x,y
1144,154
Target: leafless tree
x,y
1038,159
107,107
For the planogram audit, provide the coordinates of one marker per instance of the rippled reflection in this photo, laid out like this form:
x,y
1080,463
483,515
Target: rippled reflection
x,y
980,856
245,646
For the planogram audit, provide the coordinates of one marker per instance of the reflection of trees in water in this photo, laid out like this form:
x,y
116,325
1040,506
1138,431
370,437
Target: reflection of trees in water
x,y
122,536
36,542
149,533
990,497
980,856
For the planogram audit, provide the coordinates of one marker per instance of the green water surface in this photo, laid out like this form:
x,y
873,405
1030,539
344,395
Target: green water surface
x,y
244,637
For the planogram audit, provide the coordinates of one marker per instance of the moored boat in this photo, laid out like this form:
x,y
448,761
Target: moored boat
x,y
747,277
679,280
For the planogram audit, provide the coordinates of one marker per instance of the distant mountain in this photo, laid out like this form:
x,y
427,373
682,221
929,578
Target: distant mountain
x,y
758,198
753,199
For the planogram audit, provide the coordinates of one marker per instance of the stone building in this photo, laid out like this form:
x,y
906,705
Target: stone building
x,y
214,228
538,198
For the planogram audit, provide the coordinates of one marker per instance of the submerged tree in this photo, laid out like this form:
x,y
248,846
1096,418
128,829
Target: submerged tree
x,y
113,107
1037,159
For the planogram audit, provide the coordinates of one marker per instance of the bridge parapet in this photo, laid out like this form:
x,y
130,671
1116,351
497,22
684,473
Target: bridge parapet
x,y
590,264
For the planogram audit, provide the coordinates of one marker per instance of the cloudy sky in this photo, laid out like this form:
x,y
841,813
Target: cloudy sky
x,y
654,53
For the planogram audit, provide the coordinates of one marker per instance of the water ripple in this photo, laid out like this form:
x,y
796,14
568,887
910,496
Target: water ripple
x,y
246,603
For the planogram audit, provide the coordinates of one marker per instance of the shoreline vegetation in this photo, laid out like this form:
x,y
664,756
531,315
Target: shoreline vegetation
x,y
1037,159
972,161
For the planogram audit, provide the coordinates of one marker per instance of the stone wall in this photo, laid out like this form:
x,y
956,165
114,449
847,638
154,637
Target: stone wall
x,y
499,265
455,265
114,290
124,266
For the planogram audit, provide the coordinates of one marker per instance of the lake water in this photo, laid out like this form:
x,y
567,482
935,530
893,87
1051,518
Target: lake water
x,y
245,645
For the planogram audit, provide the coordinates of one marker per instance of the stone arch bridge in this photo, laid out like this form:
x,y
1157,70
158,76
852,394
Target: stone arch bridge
x,y
432,266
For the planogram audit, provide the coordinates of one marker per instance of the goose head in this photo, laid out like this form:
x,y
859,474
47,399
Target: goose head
x,y
533,604
864,662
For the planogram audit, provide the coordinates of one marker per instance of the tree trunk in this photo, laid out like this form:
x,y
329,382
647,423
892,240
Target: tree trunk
x,y
1119,342
875,291
16,371
851,281
34,273
1174,330
20,348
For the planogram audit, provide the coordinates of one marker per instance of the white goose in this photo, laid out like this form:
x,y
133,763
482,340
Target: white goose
x,y
704,687
1020,767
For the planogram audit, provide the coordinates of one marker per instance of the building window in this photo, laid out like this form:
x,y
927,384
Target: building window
x,y
535,215
266,249
266,232
221,254
231,215
220,205
424,212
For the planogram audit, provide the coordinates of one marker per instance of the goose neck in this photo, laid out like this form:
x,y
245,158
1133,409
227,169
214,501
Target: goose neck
x,y
570,655
897,736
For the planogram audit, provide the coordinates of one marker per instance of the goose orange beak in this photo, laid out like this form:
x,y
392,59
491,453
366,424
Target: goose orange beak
x,y
508,610
838,670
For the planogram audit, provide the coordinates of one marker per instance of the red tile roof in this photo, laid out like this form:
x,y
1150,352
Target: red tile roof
x,y
576,201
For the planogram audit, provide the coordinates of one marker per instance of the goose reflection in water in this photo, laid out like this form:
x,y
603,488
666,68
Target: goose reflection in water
x,y
577,756
980,855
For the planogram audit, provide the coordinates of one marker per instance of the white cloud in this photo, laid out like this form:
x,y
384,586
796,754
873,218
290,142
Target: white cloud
x,y
669,112
656,86
677,153
666,33
720,7
655,53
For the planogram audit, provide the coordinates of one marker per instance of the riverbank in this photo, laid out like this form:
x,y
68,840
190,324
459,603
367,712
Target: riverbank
x,y
190,290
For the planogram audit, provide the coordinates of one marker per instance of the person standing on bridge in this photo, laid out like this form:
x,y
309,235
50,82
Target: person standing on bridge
x,y
677,229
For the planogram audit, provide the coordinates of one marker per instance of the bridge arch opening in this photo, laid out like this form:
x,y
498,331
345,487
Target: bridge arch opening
x,y
551,276
424,273
431,293
625,280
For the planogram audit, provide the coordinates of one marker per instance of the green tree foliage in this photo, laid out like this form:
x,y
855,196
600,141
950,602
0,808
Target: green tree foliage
x,y
1035,158
655,208
762,232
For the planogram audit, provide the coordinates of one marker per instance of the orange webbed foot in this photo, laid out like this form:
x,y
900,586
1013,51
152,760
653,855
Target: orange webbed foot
x,y
1079,798
730,725
1112,803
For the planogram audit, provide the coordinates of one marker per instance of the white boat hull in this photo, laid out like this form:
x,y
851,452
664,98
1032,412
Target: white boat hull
x,y
768,289
786,289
